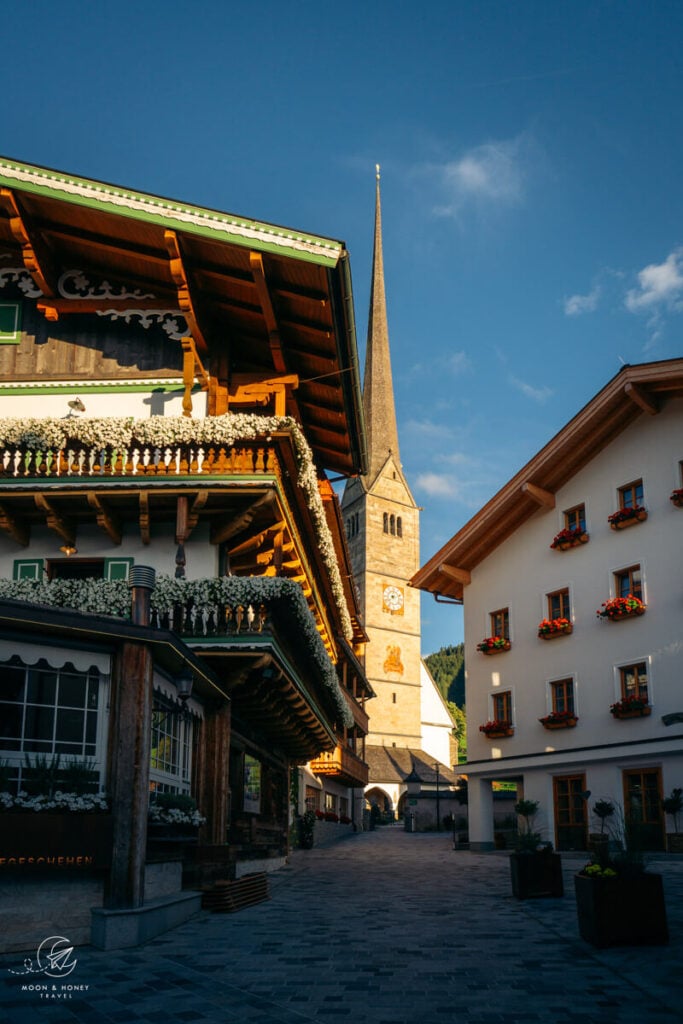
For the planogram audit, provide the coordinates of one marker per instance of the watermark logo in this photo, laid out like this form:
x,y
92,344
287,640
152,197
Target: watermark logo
x,y
54,958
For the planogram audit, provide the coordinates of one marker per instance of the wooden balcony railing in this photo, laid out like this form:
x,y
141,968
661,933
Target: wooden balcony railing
x,y
136,460
343,764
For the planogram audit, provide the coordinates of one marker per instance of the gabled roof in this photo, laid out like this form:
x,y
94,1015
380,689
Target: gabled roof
x,y
635,391
275,301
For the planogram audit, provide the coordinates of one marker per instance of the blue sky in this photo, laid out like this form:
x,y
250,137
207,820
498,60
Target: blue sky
x,y
531,160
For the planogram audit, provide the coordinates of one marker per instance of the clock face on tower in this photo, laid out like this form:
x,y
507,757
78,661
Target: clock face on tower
x,y
392,600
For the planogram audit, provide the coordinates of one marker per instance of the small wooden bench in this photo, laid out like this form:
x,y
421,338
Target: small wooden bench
x,y
226,897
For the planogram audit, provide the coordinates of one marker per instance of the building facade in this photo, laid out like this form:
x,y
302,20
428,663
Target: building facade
x,y
165,427
571,583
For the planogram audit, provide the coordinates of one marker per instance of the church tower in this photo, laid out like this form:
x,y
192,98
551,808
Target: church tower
x,y
383,530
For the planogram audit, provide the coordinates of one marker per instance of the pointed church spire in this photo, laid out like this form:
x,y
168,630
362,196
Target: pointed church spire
x,y
378,392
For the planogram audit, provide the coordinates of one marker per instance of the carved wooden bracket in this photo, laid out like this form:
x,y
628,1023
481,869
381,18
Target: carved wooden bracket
x,y
63,527
257,269
105,519
35,256
641,399
19,532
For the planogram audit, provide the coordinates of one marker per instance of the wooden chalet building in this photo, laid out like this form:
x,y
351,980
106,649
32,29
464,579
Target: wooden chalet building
x,y
175,385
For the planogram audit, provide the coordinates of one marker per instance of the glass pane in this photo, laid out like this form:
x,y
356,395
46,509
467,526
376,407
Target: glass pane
x,y
70,725
42,687
71,690
93,692
39,723
10,721
12,682
91,727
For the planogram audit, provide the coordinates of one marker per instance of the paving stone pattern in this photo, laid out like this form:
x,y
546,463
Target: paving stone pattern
x,y
384,928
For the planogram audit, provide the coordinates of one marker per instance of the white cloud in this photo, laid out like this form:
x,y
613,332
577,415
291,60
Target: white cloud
x,y
660,285
494,173
575,305
459,362
540,395
437,485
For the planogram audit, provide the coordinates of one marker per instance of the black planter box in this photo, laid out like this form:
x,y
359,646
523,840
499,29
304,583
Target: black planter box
x,y
536,874
621,911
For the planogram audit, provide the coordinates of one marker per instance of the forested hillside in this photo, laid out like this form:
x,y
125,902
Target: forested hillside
x,y
447,666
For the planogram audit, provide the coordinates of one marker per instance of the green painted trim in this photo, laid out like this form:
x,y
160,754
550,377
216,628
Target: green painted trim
x,y
11,337
165,213
57,389
20,564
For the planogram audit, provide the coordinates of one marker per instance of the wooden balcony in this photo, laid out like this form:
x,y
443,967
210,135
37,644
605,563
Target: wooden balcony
x,y
342,764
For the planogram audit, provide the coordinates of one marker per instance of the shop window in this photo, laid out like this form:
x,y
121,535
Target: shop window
x,y
628,581
171,757
88,568
47,712
633,680
330,801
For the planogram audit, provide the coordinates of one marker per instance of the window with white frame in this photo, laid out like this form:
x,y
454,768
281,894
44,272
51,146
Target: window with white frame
x,y
171,756
48,714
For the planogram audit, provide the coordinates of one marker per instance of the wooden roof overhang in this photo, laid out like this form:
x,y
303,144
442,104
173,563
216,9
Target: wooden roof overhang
x,y
273,692
20,620
261,302
635,391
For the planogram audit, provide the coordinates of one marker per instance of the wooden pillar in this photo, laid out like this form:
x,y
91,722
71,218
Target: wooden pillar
x,y
212,784
131,737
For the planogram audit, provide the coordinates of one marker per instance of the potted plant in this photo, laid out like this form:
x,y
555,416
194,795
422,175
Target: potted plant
x,y
627,517
618,608
677,497
618,902
599,841
307,830
494,645
567,538
534,869
548,629
559,720
630,707
173,816
673,805
496,729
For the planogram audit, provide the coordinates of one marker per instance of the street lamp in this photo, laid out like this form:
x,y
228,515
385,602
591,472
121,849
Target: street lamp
x,y
435,766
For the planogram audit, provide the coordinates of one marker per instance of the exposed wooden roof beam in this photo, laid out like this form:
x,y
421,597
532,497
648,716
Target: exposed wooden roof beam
x,y
237,525
544,498
252,543
105,520
63,527
185,298
641,398
34,254
253,389
54,308
19,532
463,576
257,269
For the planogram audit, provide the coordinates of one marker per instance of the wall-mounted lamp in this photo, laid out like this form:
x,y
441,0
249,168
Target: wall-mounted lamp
x,y
68,550
184,683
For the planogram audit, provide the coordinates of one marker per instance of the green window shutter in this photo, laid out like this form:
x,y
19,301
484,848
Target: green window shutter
x,y
10,323
117,568
27,569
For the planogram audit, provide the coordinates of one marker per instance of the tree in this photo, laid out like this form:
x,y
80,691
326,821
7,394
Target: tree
x,y
460,729
447,666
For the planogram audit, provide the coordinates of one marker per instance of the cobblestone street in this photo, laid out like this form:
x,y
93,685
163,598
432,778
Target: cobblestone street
x,y
383,928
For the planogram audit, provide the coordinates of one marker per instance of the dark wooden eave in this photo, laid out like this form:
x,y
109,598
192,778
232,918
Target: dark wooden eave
x,y
259,300
635,391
